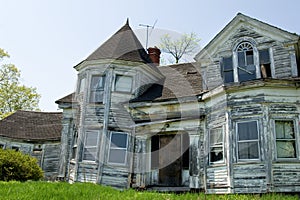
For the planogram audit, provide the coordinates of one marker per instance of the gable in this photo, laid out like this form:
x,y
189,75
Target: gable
x,y
241,26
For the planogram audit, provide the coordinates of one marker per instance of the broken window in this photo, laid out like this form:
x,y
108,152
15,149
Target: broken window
x,y
227,69
216,145
265,63
15,148
97,88
285,139
90,145
123,83
118,148
246,68
247,140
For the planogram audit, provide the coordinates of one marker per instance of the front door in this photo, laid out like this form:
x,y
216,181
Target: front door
x,y
170,160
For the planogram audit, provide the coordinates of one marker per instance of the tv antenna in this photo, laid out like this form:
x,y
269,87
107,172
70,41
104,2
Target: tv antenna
x,y
147,31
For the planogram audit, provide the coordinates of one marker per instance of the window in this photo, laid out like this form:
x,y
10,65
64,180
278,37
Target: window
x,y
285,139
118,148
265,63
246,68
247,140
97,88
227,69
81,85
75,140
90,145
15,148
1,146
123,83
216,145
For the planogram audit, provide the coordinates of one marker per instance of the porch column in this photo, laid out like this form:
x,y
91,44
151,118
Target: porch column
x,y
196,170
142,161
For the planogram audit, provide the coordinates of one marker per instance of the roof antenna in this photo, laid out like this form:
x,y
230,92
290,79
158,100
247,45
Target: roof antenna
x,y
147,32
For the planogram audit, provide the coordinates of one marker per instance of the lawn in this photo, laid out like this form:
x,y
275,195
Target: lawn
x,y
88,191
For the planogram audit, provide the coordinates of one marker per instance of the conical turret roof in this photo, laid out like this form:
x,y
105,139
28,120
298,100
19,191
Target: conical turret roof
x,y
123,45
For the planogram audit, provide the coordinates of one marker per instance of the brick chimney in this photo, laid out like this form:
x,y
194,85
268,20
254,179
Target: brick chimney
x,y
154,54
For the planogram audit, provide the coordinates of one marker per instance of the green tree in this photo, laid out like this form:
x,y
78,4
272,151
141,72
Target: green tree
x,y
13,95
184,45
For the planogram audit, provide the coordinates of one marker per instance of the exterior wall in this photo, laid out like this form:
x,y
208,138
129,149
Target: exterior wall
x,y
46,153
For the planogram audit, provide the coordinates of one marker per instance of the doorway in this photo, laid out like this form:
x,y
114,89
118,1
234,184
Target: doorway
x,y
170,155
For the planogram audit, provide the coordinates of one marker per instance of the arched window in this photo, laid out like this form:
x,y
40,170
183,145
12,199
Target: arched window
x,y
246,68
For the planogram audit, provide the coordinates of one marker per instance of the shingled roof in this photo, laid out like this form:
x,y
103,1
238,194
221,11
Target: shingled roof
x,y
181,80
123,45
32,126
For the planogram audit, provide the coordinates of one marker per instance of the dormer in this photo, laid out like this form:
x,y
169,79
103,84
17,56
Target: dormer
x,y
248,49
120,65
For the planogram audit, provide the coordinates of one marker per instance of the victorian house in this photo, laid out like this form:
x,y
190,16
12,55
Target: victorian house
x,y
227,123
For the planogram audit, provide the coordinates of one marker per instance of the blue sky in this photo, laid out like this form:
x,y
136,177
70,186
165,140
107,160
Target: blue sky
x,y
46,38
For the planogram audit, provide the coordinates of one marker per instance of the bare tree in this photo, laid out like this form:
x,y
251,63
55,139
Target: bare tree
x,y
185,45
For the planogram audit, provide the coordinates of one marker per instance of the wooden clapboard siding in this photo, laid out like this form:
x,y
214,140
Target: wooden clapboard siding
x,y
250,178
87,172
286,177
51,160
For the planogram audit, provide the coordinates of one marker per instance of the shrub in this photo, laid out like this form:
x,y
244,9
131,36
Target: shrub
x,y
17,166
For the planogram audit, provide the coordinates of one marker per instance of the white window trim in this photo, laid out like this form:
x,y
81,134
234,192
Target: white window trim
x,y
209,146
126,149
235,59
84,146
296,138
244,141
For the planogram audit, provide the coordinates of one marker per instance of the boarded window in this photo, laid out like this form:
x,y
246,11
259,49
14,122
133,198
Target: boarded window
x,y
265,63
285,139
123,83
216,145
97,89
247,140
90,145
227,69
118,148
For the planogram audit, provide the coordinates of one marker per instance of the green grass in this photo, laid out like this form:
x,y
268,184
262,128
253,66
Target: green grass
x,y
88,191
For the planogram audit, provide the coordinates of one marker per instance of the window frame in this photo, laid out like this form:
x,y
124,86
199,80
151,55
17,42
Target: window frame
x,y
122,91
99,90
85,146
295,139
216,145
118,148
248,141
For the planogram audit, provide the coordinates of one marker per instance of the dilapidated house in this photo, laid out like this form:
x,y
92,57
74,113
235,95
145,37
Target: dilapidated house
x,y
227,123
34,133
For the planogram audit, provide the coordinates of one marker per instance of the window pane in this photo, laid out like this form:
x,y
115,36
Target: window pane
x,y
241,59
284,130
123,83
249,57
286,149
247,131
216,154
119,140
96,96
248,150
82,85
264,56
97,82
216,137
91,138
117,156
90,154
227,64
